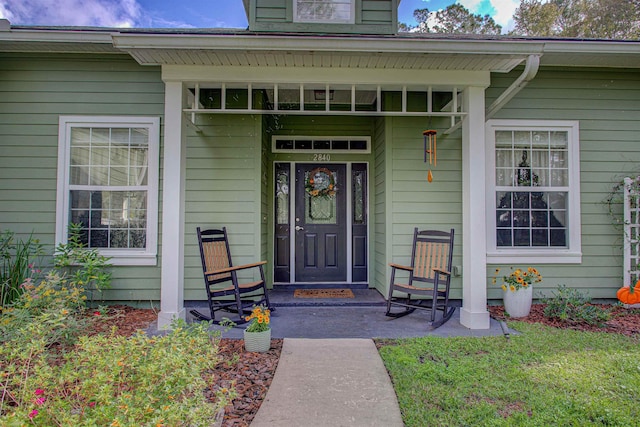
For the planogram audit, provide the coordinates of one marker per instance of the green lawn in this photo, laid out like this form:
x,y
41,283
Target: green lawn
x,y
542,377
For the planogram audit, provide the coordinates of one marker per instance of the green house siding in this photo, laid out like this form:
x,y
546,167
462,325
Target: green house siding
x,y
415,202
605,102
379,205
223,189
34,91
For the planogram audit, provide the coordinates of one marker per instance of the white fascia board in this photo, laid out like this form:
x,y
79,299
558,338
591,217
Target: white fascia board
x,y
326,44
56,36
232,74
610,47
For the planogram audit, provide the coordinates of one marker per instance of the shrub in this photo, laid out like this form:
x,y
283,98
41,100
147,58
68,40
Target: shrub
x,y
17,258
570,306
115,380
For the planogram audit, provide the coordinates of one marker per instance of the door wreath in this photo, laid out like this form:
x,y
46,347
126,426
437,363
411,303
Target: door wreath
x,y
320,182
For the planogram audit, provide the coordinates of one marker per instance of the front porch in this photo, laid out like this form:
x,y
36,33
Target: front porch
x,y
360,317
215,111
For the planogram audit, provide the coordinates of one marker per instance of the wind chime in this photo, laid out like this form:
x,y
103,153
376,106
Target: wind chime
x,y
430,150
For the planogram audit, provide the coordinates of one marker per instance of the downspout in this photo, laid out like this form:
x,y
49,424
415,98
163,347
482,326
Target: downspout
x,y
530,71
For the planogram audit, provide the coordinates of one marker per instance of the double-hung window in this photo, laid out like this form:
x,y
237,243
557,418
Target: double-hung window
x,y
533,193
324,11
108,183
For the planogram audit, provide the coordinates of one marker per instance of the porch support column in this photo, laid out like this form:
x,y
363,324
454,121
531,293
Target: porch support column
x,y
173,182
474,314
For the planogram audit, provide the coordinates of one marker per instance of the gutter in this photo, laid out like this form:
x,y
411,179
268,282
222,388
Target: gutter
x,y
530,70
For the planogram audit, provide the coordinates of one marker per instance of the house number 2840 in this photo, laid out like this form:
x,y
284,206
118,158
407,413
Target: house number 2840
x,y
322,157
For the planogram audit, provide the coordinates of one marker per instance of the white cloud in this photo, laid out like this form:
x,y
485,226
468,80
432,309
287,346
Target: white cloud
x,y
101,13
472,5
504,12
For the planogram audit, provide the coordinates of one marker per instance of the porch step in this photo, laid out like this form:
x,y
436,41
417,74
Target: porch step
x,y
362,298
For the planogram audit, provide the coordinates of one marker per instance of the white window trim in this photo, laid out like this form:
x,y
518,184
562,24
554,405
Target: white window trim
x,y
146,256
570,255
352,19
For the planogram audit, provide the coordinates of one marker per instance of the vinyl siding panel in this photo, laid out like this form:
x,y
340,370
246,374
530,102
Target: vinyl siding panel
x,y
223,189
34,91
380,194
607,105
415,202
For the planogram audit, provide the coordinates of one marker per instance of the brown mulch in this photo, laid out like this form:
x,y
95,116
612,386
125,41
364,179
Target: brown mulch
x,y
623,320
251,373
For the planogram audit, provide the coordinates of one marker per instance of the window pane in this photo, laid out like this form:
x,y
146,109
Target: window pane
x,y
118,176
99,176
320,197
282,195
99,135
323,10
504,138
359,197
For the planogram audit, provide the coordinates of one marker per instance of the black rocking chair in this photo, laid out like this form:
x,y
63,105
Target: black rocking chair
x,y
224,291
429,277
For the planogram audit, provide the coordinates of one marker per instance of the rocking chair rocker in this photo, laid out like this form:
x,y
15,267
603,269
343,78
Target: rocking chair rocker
x,y
232,296
429,277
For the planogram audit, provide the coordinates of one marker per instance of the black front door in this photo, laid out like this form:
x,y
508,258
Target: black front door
x,y
320,223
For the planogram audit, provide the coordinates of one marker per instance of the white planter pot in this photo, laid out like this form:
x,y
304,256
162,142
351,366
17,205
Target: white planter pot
x,y
257,341
518,303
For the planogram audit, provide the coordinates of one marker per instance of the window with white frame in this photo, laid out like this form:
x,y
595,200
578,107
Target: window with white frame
x,y
533,194
108,183
324,11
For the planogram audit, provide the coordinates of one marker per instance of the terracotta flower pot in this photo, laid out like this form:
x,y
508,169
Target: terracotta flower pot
x,y
518,303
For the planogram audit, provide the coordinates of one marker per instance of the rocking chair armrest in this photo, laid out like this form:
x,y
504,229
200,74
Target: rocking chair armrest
x,y
236,268
401,267
441,271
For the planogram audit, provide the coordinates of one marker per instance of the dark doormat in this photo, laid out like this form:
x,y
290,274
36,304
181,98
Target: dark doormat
x,y
323,293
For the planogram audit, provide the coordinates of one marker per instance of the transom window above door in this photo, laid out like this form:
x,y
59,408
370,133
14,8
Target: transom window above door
x,y
343,144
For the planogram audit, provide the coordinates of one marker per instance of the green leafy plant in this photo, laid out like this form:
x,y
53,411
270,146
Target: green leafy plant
x,y
519,278
114,380
86,267
259,319
571,306
18,264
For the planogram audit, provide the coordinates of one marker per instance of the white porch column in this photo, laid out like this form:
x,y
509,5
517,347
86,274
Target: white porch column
x,y
173,182
474,314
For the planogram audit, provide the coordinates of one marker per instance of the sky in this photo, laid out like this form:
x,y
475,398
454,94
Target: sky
x,y
194,13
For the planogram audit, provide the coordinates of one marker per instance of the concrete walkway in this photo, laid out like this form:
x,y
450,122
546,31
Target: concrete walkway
x,y
329,382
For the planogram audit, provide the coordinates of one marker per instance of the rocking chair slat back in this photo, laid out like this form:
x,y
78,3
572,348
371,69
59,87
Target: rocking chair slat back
x,y
433,252
215,258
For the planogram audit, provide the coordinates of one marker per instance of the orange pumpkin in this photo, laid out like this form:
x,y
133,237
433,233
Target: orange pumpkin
x,y
629,295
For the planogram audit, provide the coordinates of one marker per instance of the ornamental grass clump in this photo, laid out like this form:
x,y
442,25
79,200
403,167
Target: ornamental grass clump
x,y
519,279
259,318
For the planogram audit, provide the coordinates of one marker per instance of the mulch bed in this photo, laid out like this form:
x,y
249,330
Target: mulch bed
x,y
251,373
623,321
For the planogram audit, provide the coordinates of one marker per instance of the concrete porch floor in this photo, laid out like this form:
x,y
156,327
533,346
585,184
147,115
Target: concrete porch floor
x,y
359,317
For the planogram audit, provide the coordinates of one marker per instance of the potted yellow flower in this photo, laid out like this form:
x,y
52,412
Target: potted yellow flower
x,y
517,290
257,336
